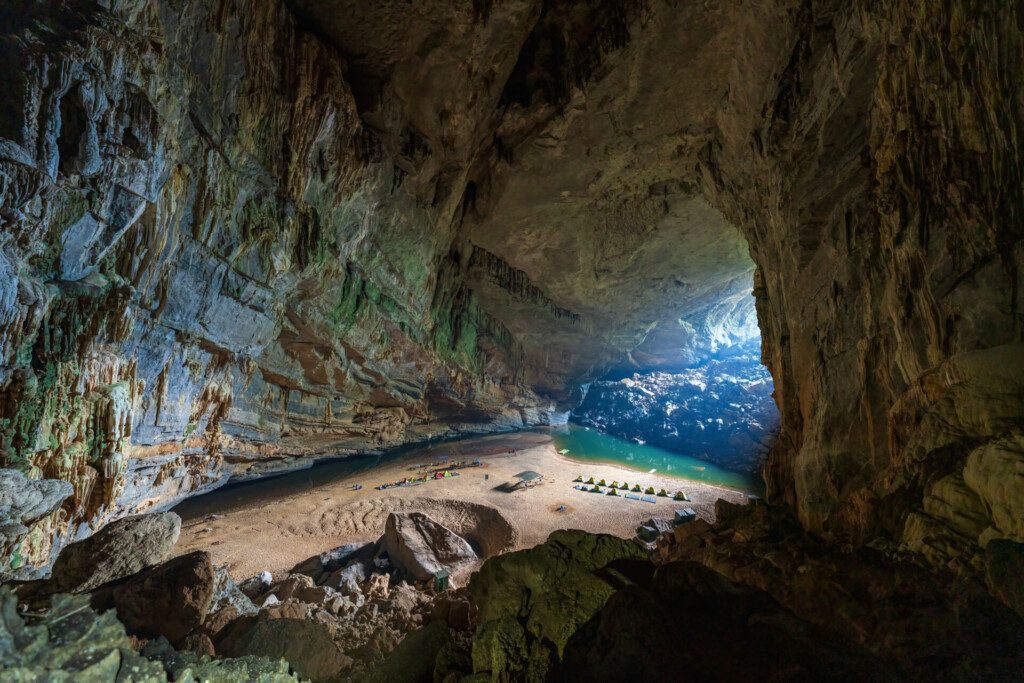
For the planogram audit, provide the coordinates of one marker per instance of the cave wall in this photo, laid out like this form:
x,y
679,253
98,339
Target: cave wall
x,y
239,236
211,267
880,189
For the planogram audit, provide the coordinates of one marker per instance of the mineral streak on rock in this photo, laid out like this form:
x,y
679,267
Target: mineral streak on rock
x,y
238,237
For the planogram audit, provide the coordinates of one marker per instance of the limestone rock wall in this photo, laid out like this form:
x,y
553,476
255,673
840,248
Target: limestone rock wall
x,y
209,266
880,189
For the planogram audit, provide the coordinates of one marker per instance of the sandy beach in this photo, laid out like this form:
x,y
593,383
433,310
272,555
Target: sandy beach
x,y
273,530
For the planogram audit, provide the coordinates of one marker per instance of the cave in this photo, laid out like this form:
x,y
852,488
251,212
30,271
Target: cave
x,y
303,302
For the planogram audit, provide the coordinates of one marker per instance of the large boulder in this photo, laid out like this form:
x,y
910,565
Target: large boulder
x,y
530,602
692,623
306,644
169,599
419,546
120,549
329,561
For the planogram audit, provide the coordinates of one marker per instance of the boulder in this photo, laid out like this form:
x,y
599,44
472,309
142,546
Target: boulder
x,y
332,560
419,546
349,579
214,622
169,599
119,549
378,586
257,585
198,643
530,602
301,587
307,645
227,594
288,609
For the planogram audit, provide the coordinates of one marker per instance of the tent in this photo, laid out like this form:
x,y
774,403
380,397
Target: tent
x,y
528,478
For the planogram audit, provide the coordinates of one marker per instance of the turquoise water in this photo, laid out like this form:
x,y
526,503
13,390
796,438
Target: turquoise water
x,y
590,445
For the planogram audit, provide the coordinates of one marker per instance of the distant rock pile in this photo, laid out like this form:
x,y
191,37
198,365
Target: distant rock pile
x,y
339,613
721,411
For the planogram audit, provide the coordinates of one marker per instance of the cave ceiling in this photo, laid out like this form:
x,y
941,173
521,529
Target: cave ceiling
x,y
574,155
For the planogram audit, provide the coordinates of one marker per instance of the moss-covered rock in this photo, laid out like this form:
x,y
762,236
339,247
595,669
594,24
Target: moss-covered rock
x,y
532,601
71,642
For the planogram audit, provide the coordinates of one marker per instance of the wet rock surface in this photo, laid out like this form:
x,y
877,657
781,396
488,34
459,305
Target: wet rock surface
x,y
721,411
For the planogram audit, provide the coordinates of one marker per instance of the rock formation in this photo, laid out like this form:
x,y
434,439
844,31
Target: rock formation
x,y
118,550
72,642
421,547
239,236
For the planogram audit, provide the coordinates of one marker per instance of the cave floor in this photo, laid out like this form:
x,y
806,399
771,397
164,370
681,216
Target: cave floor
x,y
277,525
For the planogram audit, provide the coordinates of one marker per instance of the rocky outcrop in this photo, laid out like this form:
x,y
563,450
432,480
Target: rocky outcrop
x,y
530,602
420,547
118,550
871,187
24,503
721,411
170,599
72,642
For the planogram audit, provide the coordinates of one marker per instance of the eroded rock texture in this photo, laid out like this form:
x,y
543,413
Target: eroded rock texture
x,y
238,236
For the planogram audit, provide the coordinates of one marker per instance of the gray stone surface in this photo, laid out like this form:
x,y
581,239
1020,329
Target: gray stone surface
x,y
419,546
22,502
120,549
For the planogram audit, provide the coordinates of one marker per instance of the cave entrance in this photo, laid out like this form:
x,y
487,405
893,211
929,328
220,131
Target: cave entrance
x,y
710,399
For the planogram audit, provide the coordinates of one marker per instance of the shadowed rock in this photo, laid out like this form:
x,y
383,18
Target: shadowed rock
x,y
169,599
120,549
692,623
307,645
